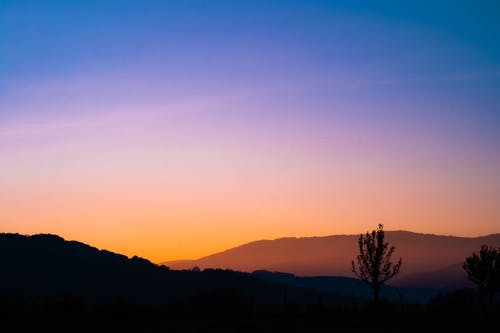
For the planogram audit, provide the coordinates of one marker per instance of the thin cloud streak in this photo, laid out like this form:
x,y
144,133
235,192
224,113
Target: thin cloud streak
x,y
449,78
45,96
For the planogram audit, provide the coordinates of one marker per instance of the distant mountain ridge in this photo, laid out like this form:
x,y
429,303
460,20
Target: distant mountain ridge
x,y
423,255
48,267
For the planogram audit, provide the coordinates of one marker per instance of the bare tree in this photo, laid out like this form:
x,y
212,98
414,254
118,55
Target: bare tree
x,y
484,271
374,265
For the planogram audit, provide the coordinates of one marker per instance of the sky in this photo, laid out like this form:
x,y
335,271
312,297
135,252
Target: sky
x,y
176,129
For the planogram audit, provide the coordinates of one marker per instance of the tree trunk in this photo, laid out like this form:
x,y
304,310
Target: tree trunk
x,y
376,293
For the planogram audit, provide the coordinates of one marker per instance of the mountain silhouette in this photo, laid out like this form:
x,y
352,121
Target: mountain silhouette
x,y
47,267
448,278
50,284
332,255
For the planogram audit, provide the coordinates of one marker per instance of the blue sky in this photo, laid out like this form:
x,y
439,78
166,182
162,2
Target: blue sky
x,y
419,46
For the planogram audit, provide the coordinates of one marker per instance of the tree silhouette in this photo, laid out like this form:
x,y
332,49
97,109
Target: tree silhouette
x,y
484,271
374,265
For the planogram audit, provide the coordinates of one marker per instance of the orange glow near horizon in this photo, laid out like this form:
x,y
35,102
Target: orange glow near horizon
x,y
212,207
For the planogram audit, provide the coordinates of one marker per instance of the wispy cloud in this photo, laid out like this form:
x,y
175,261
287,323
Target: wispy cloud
x,y
94,100
423,79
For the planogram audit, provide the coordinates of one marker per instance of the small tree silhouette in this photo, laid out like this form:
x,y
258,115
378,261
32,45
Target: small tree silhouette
x,y
484,271
374,265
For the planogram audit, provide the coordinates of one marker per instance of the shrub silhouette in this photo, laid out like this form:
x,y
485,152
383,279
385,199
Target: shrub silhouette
x,y
374,265
484,271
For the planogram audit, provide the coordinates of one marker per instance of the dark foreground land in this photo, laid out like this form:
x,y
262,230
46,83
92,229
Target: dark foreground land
x,y
213,316
50,285
284,322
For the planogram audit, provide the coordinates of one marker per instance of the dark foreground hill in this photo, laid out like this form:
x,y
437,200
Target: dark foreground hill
x,y
49,284
47,266
426,258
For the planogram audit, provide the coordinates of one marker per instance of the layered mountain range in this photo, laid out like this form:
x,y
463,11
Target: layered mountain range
x,y
301,270
429,261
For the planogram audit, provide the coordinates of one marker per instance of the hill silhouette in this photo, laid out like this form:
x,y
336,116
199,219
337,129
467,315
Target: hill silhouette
x,y
49,284
48,267
423,254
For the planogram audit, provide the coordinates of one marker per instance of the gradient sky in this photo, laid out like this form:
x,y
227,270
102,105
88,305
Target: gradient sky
x,y
174,129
